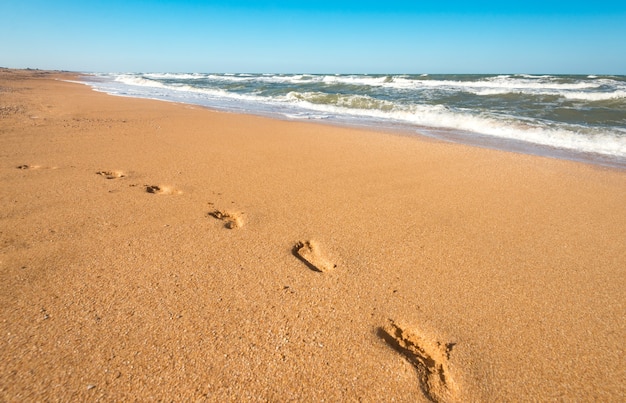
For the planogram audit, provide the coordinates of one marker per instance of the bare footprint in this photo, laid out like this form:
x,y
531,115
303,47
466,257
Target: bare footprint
x,y
111,174
309,253
34,167
25,166
429,357
162,190
231,219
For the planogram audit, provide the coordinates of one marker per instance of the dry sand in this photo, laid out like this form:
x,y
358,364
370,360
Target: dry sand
x,y
161,251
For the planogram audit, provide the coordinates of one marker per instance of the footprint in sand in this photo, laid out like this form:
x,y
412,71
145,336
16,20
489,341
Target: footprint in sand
x,y
111,174
162,190
232,219
33,167
429,357
309,253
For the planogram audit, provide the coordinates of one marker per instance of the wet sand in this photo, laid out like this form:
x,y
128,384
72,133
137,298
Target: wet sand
x,y
152,250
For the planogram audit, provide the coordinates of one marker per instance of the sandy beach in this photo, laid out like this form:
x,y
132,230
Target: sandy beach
x,y
160,251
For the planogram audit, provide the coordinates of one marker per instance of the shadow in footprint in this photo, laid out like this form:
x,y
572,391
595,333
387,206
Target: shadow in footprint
x,y
162,190
429,357
231,219
33,167
308,253
111,174
25,166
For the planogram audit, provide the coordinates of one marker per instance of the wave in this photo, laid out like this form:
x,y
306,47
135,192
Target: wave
x,y
175,76
484,86
572,95
322,98
363,102
598,89
535,76
132,79
506,82
503,81
595,96
573,137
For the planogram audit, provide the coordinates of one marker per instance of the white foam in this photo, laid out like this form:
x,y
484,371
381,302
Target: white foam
x,y
534,76
595,96
132,79
577,138
502,81
175,76
516,83
574,95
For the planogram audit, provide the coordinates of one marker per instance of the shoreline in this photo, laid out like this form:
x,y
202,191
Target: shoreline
x,y
388,125
157,250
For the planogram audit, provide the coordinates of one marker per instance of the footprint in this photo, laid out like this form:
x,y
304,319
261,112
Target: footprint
x,y
162,190
231,219
34,167
309,253
111,174
25,166
428,356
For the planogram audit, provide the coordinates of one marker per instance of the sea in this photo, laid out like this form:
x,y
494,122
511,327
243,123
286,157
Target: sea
x,y
579,117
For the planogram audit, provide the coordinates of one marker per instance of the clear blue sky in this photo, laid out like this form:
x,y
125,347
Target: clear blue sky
x,y
384,36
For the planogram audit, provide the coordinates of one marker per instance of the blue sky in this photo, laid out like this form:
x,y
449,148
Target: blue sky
x,y
384,36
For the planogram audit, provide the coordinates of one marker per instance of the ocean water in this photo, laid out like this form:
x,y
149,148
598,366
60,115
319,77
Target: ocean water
x,y
578,117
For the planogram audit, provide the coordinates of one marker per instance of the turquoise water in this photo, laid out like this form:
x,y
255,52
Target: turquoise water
x,y
576,116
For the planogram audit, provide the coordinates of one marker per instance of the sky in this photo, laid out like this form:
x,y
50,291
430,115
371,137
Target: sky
x,y
384,36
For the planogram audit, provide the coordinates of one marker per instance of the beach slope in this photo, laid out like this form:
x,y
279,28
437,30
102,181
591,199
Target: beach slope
x,y
151,250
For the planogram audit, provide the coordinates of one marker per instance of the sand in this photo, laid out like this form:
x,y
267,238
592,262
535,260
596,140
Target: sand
x,y
158,251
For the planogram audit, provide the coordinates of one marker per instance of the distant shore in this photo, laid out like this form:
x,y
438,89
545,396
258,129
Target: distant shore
x,y
155,250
